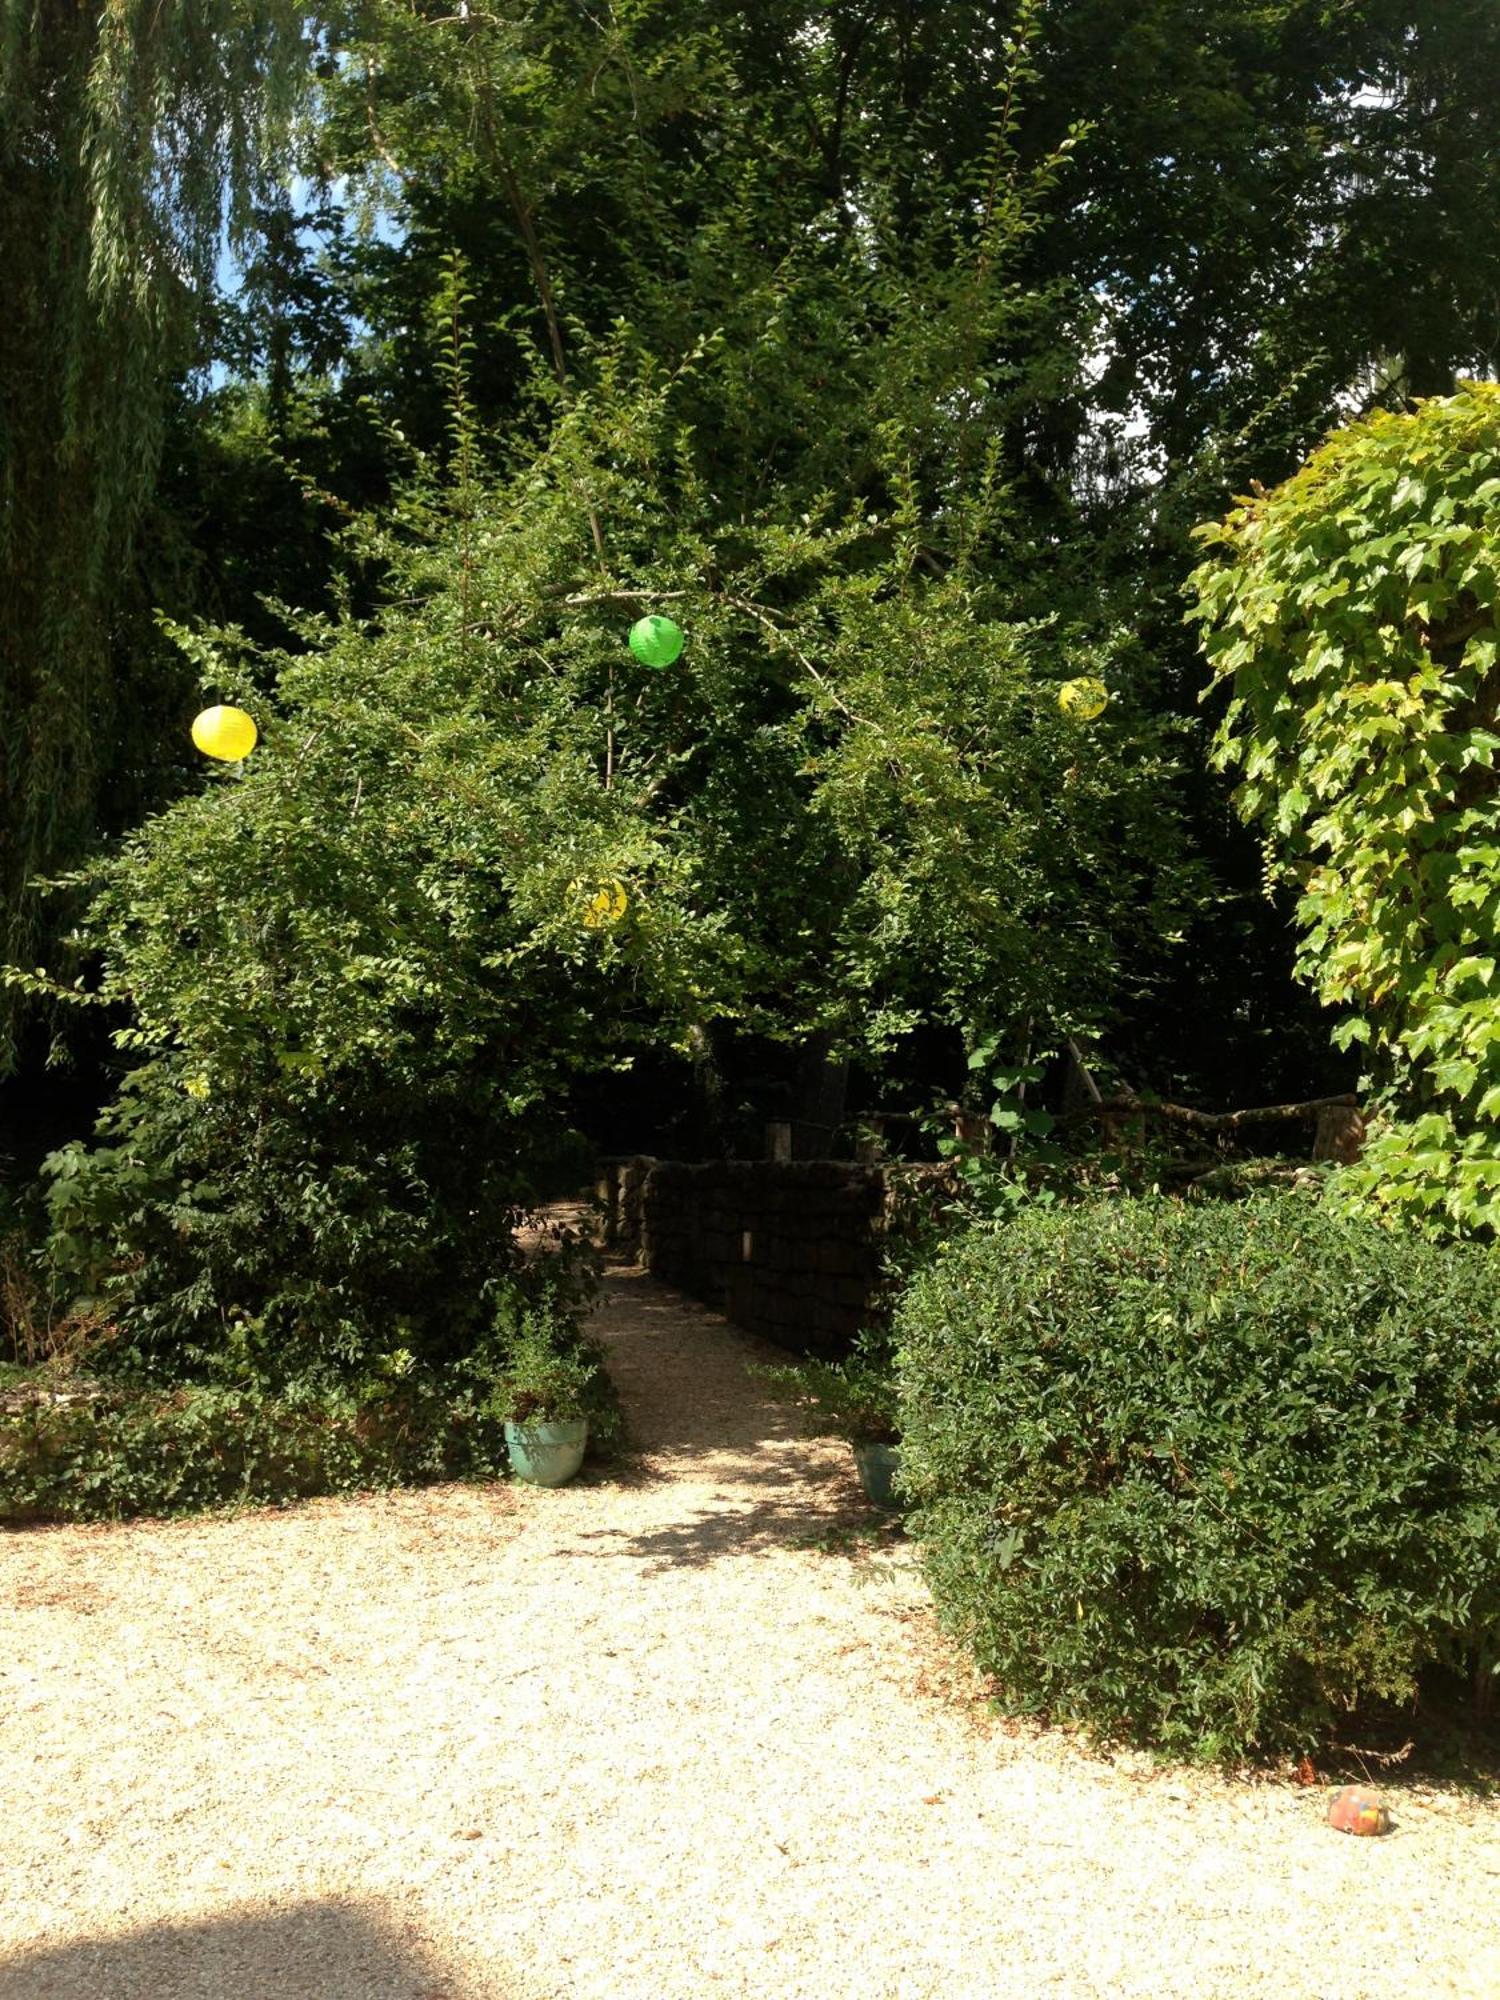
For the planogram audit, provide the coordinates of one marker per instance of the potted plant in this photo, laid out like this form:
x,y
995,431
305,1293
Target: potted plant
x,y
854,1399
543,1396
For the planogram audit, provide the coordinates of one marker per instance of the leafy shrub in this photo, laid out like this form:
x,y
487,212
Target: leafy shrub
x,y
541,1366
1207,1476
252,1239
854,1398
79,1448
542,1383
119,1451
100,1425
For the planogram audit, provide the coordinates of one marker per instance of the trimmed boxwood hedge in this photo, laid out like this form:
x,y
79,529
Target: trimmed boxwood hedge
x,y
1207,1477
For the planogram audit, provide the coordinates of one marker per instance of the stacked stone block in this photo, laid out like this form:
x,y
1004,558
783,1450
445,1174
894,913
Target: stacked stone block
x,y
787,1249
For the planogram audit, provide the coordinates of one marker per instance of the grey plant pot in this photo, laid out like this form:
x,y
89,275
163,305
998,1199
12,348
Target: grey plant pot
x,y
546,1454
877,1465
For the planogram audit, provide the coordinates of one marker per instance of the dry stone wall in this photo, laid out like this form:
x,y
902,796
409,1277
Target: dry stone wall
x,y
789,1249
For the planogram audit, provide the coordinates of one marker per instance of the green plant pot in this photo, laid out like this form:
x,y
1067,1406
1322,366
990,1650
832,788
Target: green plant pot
x,y
877,1469
547,1454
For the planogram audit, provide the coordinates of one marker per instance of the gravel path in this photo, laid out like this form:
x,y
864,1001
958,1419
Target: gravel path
x,y
635,1737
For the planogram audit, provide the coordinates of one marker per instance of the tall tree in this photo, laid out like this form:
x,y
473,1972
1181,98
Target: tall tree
x,y
129,134
1272,211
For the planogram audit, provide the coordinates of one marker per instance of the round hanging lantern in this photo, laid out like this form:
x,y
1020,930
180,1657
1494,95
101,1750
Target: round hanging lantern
x,y
225,733
656,642
1082,699
603,906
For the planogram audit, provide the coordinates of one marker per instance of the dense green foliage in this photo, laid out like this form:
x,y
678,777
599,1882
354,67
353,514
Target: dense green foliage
x,y
1207,1477
1269,206
545,1382
854,1398
124,1448
128,1452
1263,213
1352,612
94,1425
361,972
892,349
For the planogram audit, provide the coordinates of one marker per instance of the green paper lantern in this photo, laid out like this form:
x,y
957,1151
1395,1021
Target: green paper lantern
x,y
656,642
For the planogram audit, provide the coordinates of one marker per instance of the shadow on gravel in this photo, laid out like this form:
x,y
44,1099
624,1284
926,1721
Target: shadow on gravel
x,y
772,1498
696,1417
320,1951
698,1539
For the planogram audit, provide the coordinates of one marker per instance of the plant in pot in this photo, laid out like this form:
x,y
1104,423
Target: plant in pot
x,y
854,1399
542,1393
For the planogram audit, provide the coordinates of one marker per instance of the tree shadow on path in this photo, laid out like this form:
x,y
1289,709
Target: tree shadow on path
x,y
317,1951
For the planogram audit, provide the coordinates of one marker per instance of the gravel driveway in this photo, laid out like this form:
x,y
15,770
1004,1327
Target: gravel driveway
x,y
636,1739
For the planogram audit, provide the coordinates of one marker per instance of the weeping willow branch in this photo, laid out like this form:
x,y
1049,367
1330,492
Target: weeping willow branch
x,y
127,131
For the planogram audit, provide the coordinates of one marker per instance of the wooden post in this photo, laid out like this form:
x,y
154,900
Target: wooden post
x,y
870,1145
1340,1134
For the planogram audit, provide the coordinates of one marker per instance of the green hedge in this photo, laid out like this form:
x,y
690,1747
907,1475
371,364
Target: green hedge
x,y
133,1449
129,1452
1207,1477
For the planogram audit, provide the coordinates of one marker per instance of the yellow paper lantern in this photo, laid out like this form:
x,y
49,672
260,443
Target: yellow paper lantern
x,y
603,906
1081,700
225,733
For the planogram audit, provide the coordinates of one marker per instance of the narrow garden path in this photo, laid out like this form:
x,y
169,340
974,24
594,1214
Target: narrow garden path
x,y
684,1730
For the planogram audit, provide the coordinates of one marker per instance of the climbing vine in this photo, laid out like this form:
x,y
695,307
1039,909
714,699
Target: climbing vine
x,y
1351,614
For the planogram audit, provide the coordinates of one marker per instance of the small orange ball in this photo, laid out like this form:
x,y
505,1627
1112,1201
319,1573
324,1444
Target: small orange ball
x,y
1356,1810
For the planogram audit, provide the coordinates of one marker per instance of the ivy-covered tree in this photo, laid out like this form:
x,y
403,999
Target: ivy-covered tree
x,y
1351,614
